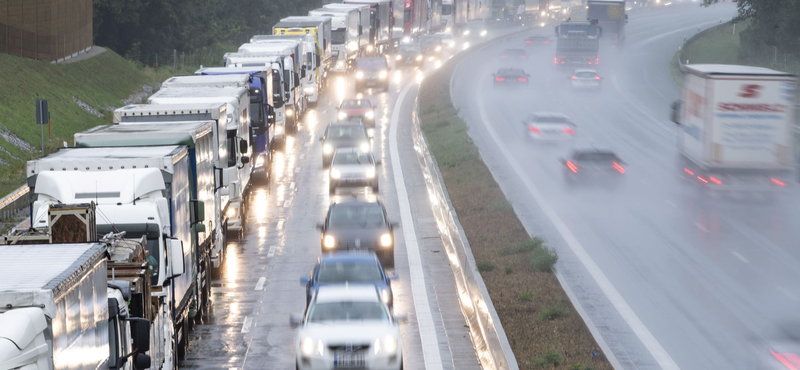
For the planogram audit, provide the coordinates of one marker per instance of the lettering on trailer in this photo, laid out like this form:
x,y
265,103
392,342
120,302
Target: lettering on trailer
x,y
740,107
696,104
750,91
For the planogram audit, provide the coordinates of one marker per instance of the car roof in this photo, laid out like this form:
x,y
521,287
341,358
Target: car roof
x,y
346,123
356,99
585,70
347,292
549,115
592,151
349,256
511,70
352,150
355,201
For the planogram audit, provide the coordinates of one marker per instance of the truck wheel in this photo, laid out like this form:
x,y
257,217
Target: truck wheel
x,y
183,345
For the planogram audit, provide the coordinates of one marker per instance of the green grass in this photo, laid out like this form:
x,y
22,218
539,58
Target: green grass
x,y
550,359
543,259
526,296
529,245
101,82
720,46
553,312
484,266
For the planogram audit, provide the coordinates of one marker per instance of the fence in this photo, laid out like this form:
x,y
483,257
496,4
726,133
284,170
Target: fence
x,y
45,29
12,205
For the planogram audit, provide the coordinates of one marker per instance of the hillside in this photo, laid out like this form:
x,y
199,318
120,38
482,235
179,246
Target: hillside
x,y
101,82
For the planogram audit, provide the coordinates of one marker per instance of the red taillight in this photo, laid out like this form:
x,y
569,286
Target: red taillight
x,y
574,77
689,171
778,182
572,167
562,62
590,63
555,60
715,180
503,56
597,77
619,167
529,42
534,130
522,57
522,79
702,179
547,42
568,131
499,79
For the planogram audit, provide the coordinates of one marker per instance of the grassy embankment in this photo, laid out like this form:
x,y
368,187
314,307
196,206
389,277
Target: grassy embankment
x,y
102,82
541,324
720,46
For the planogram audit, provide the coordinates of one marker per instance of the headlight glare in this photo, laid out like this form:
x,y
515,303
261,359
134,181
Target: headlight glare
x,y
370,114
370,173
307,347
483,33
364,147
289,112
385,296
327,148
342,115
359,75
329,241
419,57
260,160
336,174
398,57
231,212
386,240
389,344
383,74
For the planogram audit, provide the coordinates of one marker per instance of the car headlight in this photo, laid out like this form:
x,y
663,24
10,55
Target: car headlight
x,y
466,32
406,39
370,173
398,57
419,57
370,48
387,344
289,112
308,347
430,58
383,74
340,64
260,160
359,75
336,174
342,115
231,212
439,48
279,129
483,33
385,296
329,241
309,90
327,148
386,240
370,114
364,147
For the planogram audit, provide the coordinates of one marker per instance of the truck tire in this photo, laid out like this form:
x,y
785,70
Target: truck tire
x,y
183,345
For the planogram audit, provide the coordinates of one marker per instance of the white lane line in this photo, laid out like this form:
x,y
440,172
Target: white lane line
x,y
260,283
271,252
701,227
280,225
427,332
653,346
292,185
248,322
739,256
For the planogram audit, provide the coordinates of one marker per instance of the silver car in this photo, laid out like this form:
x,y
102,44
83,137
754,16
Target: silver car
x,y
586,79
550,126
353,167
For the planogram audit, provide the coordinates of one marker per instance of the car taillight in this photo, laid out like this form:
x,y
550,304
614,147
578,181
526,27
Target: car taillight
x,y
702,179
534,130
619,167
547,42
572,167
522,57
574,77
522,79
568,131
555,60
778,182
529,42
688,171
715,180
597,77
590,63
503,56
499,79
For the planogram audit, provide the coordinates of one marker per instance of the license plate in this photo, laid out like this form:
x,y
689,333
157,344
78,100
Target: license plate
x,y
349,359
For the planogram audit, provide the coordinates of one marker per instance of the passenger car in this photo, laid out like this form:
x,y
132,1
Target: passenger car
x,y
353,167
505,76
514,54
597,166
549,126
585,79
355,109
348,134
372,72
537,40
347,327
410,55
359,225
350,268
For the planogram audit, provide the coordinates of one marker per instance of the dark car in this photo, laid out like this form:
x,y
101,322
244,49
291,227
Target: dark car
x,y
357,225
510,76
514,54
537,40
357,109
410,55
372,72
350,134
431,44
349,268
593,166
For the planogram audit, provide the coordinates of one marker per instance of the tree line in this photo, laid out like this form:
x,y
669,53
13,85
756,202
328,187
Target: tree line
x,y
772,22
144,30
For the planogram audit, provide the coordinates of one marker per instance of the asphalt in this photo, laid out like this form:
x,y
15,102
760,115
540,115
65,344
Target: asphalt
x,y
248,324
670,278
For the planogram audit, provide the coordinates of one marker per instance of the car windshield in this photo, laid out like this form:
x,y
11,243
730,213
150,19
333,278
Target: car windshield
x,y
596,157
360,103
410,48
429,41
371,63
345,132
351,158
349,271
365,214
347,311
586,75
551,119
510,72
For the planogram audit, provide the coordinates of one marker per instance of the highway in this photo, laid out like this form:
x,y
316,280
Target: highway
x,y
670,278
248,325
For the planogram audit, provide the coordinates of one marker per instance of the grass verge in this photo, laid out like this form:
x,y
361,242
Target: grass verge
x,y
720,46
529,300
102,82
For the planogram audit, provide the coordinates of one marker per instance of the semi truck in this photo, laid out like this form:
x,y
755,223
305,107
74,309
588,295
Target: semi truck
x,y
307,49
363,22
577,42
320,28
611,17
58,311
382,24
736,128
344,36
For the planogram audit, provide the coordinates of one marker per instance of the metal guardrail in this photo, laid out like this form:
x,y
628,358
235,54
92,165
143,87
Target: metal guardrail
x,y
12,204
692,39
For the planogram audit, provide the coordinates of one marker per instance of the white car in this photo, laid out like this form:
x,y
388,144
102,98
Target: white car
x,y
353,167
585,79
550,126
346,327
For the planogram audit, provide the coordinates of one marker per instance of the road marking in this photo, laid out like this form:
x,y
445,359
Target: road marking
x,y
280,225
291,186
739,256
260,283
248,322
271,252
427,331
287,203
701,227
650,342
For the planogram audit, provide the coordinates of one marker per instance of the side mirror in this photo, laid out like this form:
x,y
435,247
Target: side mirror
x,y
175,248
295,320
140,333
242,146
316,59
141,361
199,209
675,115
245,159
296,78
322,138
303,72
393,277
360,29
320,226
199,228
304,281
